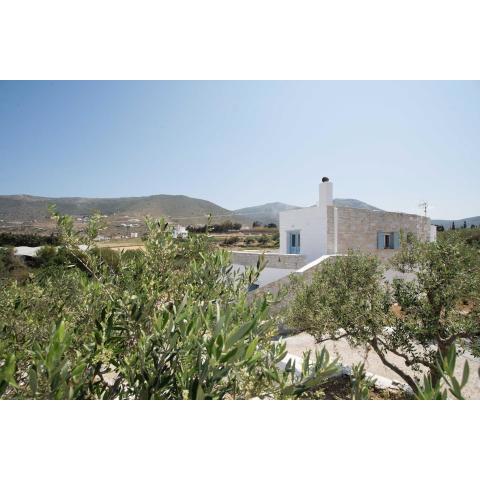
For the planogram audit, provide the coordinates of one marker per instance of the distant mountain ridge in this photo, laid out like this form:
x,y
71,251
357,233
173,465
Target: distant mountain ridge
x,y
180,208
353,203
176,207
270,212
266,213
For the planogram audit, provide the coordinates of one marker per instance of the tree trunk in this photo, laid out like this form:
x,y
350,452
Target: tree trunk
x,y
407,378
443,348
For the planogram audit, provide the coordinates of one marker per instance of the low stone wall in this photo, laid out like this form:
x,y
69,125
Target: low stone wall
x,y
274,260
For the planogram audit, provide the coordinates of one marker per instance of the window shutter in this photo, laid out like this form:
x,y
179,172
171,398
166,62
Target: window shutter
x,y
381,240
396,240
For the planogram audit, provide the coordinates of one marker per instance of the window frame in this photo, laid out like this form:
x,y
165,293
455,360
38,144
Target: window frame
x,y
290,247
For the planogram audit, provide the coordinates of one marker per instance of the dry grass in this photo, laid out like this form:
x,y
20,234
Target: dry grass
x,y
122,244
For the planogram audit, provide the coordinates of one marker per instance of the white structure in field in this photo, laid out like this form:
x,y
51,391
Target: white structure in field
x,y
179,231
326,229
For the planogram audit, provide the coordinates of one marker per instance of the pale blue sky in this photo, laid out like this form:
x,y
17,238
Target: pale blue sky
x,y
391,144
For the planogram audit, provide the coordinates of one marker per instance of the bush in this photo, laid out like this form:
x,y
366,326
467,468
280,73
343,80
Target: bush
x,y
469,236
224,227
349,298
230,241
27,239
12,267
170,322
263,240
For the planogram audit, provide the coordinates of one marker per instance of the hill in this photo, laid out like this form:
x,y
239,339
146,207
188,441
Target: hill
x,y
269,212
266,213
458,223
353,203
185,210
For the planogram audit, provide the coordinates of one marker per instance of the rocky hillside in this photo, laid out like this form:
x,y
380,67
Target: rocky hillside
x,y
353,203
269,212
266,213
185,210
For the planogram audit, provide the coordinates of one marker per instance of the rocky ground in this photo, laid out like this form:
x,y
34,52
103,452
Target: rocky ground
x,y
297,344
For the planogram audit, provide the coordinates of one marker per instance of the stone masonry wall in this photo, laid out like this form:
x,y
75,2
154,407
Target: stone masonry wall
x,y
357,229
274,260
330,230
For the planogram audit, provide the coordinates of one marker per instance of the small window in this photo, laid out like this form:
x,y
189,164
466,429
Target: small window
x,y
293,242
388,241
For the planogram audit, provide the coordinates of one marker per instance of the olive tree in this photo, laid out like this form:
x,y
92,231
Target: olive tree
x,y
416,319
171,321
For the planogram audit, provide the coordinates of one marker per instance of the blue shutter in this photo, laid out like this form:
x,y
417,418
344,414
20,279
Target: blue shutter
x,y
381,240
396,240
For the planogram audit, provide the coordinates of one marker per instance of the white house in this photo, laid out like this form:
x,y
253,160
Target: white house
x,y
179,231
326,229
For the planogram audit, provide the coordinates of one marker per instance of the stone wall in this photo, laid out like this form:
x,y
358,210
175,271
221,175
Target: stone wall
x,y
331,230
274,260
357,229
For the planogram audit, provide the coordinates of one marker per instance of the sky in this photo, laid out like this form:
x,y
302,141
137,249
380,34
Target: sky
x,y
238,144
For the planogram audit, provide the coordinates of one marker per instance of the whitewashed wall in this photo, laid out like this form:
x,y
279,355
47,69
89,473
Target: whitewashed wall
x,y
310,223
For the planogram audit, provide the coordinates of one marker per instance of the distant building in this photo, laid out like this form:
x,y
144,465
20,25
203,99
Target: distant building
x,y
325,229
179,231
134,235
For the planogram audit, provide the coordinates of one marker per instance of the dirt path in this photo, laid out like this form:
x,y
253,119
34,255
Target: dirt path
x,y
348,355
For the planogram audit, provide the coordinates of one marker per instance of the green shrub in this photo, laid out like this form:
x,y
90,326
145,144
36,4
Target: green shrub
x,y
170,322
230,241
417,320
27,239
12,267
263,240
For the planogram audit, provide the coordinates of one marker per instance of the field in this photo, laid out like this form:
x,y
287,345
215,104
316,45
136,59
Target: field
x,y
258,239
122,244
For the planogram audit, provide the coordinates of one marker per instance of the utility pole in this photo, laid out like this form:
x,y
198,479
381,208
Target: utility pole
x,y
424,206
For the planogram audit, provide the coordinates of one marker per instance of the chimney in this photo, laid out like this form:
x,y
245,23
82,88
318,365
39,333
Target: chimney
x,y
325,196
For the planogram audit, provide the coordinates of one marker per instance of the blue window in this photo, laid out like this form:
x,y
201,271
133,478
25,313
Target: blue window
x,y
293,242
388,240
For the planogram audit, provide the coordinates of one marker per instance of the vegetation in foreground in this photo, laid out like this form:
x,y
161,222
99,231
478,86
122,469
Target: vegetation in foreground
x,y
424,321
27,239
172,321
169,322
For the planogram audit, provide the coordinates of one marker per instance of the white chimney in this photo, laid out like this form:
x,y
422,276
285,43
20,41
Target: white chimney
x,y
325,196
